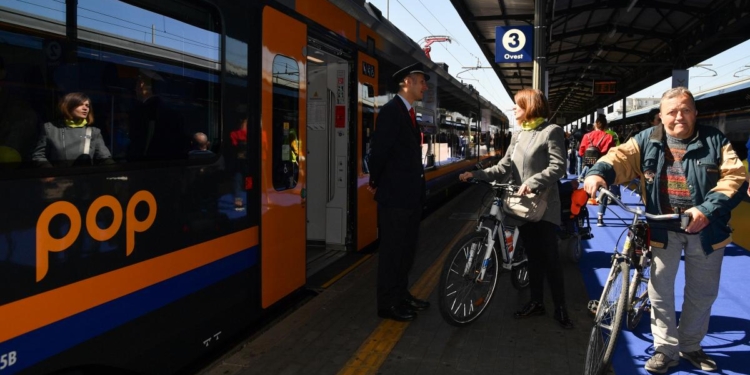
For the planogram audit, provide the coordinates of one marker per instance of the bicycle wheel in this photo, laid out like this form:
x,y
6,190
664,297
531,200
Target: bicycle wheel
x,y
462,296
519,276
608,320
638,301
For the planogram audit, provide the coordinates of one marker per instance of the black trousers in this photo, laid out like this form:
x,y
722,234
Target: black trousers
x,y
540,241
398,232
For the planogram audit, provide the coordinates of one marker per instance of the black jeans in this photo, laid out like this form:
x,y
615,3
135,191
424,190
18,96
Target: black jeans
x,y
398,232
540,242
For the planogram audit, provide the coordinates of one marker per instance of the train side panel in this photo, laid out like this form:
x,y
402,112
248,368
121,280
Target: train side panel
x,y
157,255
284,111
367,212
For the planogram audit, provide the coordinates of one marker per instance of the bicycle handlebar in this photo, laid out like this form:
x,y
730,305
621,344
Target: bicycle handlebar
x,y
636,210
507,187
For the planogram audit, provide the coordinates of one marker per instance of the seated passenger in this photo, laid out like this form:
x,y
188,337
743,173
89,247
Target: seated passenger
x,y
71,140
200,147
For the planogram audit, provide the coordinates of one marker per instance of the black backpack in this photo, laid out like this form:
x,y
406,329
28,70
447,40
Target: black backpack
x,y
592,154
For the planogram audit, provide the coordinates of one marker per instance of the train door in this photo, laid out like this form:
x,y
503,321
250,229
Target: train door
x,y
327,148
367,213
283,128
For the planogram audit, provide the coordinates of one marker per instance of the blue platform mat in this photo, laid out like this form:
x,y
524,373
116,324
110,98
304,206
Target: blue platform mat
x,y
728,338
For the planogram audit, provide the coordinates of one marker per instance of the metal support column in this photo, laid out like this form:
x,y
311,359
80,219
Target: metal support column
x,y
540,45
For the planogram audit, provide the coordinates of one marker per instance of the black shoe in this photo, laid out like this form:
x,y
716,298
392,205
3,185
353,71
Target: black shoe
x,y
532,308
561,315
415,304
398,313
600,222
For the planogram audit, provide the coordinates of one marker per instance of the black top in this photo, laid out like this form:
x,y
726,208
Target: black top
x,y
396,158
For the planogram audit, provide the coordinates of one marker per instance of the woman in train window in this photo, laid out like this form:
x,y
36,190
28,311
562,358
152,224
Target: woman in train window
x,y
72,140
536,159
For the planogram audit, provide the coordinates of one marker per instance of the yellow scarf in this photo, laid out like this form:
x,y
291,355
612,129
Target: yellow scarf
x,y
533,124
76,123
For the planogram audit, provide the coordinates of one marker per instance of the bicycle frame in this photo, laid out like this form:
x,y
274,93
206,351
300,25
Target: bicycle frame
x,y
637,212
469,275
616,299
496,215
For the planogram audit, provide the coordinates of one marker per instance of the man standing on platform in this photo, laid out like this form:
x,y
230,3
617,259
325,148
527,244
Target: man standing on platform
x,y
693,169
397,180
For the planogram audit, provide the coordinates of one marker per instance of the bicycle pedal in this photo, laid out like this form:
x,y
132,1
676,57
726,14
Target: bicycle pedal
x,y
593,306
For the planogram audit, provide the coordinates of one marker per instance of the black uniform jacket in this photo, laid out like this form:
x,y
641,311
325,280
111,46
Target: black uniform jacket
x,y
395,162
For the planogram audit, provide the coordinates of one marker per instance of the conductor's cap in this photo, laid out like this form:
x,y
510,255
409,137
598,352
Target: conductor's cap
x,y
411,69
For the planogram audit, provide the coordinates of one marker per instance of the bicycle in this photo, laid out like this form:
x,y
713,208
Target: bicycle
x,y
470,272
621,297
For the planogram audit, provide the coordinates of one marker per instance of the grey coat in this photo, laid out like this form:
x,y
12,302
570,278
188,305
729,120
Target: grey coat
x,y
60,145
538,162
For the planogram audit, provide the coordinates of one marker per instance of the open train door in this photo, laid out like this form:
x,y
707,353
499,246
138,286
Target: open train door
x,y
327,147
283,127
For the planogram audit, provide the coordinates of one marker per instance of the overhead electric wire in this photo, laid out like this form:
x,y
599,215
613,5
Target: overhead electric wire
x,y
492,89
148,28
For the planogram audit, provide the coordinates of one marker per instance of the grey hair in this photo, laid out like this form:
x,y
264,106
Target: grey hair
x,y
677,92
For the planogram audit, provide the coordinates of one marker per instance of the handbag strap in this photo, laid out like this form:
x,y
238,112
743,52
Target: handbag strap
x,y
87,141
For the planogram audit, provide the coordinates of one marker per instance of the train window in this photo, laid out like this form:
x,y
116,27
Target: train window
x,y
49,12
151,77
286,141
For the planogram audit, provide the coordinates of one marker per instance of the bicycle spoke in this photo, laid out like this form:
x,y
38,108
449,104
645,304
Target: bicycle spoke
x,y
608,320
464,295
638,299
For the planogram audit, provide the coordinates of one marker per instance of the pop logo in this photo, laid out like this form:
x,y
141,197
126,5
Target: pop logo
x,y
45,243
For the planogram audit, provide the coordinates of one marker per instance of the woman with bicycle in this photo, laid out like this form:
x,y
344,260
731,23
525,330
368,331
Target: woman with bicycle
x,y
536,159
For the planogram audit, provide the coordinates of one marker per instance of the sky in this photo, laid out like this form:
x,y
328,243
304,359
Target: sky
x,y
416,18
421,18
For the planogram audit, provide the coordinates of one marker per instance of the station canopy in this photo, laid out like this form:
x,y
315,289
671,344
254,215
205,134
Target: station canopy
x,y
623,45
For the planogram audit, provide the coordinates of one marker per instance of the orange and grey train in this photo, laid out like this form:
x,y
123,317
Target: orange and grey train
x,y
224,142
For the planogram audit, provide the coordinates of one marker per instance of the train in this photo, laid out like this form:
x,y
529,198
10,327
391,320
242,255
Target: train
x,y
177,245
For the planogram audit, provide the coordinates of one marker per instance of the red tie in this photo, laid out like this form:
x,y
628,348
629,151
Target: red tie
x,y
413,117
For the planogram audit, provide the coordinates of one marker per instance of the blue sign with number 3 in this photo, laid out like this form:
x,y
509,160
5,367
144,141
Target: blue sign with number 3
x,y
514,44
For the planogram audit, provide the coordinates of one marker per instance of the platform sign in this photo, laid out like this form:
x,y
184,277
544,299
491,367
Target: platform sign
x,y
514,44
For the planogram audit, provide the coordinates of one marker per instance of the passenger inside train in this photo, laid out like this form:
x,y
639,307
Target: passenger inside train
x,y
72,139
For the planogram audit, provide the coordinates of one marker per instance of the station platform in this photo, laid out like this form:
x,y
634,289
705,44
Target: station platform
x,y
339,332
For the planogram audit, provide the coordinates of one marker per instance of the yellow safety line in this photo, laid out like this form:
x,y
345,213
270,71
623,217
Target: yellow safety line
x,y
346,271
376,348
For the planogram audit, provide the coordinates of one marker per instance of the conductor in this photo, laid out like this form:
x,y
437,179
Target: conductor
x,y
397,180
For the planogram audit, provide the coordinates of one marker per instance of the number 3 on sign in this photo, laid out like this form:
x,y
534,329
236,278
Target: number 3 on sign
x,y
514,40
7,360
